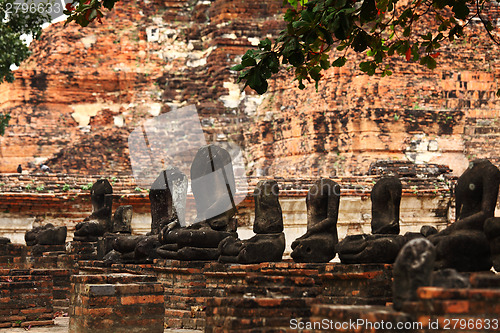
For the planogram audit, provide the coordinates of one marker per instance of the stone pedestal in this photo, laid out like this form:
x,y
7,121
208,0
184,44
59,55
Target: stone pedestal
x,y
82,250
116,303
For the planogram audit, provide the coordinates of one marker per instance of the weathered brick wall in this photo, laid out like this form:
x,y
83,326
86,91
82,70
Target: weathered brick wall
x,y
116,303
186,293
83,91
208,295
74,104
20,305
436,309
13,256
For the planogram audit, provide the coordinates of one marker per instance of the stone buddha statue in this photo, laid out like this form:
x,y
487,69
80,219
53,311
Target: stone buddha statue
x,y
464,245
269,242
95,225
318,243
213,186
384,244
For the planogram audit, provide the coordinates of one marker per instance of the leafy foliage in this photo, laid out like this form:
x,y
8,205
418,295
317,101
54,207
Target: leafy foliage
x,y
378,29
15,22
85,11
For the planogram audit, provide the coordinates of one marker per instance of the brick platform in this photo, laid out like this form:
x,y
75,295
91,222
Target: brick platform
x,y
116,303
186,292
26,298
357,284
81,250
13,256
356,319
62,288
55,262
464,310
95,267
264,314
436,310
189,286
267,296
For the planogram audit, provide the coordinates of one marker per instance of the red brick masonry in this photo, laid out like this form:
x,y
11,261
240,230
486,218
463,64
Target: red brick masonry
x,y
25,298
116,303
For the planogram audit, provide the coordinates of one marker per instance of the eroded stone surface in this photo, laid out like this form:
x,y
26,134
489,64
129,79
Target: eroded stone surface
x,y
412,269
464,245
269,242
213,185
386,198
319,241
47,234
95,225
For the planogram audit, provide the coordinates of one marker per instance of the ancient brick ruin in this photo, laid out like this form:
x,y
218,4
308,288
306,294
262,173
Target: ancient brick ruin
x,y
76,100
73,104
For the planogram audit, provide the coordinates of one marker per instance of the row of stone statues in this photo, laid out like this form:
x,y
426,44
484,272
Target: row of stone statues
x,y
469,244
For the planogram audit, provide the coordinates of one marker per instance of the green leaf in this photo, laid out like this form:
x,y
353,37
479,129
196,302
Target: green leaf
x,y
299,24
339,4
307,16
315,73
461,10
361,41
290,15
368,67
109,4
296,59
339,62
290,46
311,37
238,67
294,3
248,60
428,61
326,35
368,11
273,62
342,26
4,122
342,46
265,44
427,37
386,72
